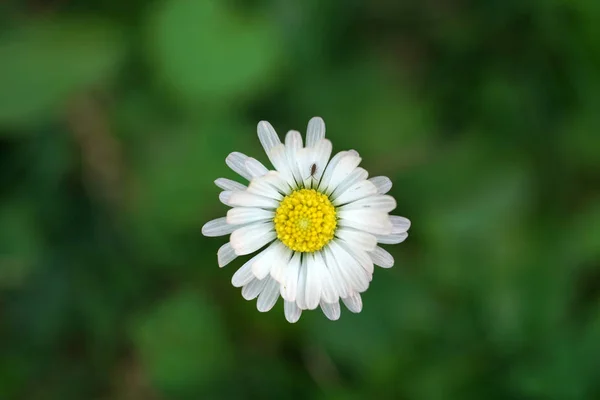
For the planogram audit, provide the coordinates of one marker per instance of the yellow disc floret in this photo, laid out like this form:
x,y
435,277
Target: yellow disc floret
x,y
305,220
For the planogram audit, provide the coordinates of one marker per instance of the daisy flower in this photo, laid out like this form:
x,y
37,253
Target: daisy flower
x,y
320,221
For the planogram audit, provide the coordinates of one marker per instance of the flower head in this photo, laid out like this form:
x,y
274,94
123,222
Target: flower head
x,y
320,219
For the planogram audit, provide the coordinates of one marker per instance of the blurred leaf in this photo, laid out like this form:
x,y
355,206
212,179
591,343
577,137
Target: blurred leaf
x,y
207,54
20,243
45,62
182,344
174,187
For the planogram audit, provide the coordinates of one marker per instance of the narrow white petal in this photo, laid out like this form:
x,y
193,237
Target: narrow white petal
x,y
355,275
342,170
225,196
255,168
236,161
289,285
331,310
315,131
383,184
246,199
279,160
382,258
244,275
262,267
301,289
252,289
359,239
269,295
280,264
267,136
399,224
225,255
293,144
359,255
218,227
329,170
353,303
322,152
313,282
275,179
338,279
250,238
329,292
262,187
246,215
356,192
292,311
365,220
394,238
380,202
228,184
358,175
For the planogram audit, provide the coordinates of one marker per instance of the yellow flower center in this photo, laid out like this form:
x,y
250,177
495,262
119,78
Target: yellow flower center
x,y
305,220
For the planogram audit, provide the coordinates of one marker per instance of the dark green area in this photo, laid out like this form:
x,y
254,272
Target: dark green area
x,y
116,117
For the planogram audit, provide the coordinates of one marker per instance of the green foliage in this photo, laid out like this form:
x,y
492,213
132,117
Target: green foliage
x,y
116,118
45,62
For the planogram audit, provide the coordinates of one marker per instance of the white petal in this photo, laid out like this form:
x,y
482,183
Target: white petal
x,y
225,255
228,184
275,179
329,170
331,310
267,136
357,279
382,258
356,192
246,199
360,239
329,292
365,220
393,238
246,215
269,295
281,264
292,311
218,227
279,160
380,202
359,174
236,161
353,303
399,224
244,275
315,131
338,279
262,187
225,196
289,285
272,254
293,144
322,152
253,288
255,168
250,238
301,289
383,184
342,170
313,282
359,255
314,159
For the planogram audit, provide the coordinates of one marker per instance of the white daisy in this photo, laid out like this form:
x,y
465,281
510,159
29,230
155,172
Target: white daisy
x,y
320,219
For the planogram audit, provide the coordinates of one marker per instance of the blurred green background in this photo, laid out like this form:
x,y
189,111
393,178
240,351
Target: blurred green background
x,y
116,117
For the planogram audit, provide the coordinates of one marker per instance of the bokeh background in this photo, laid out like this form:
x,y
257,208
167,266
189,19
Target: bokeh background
x,y
116,117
